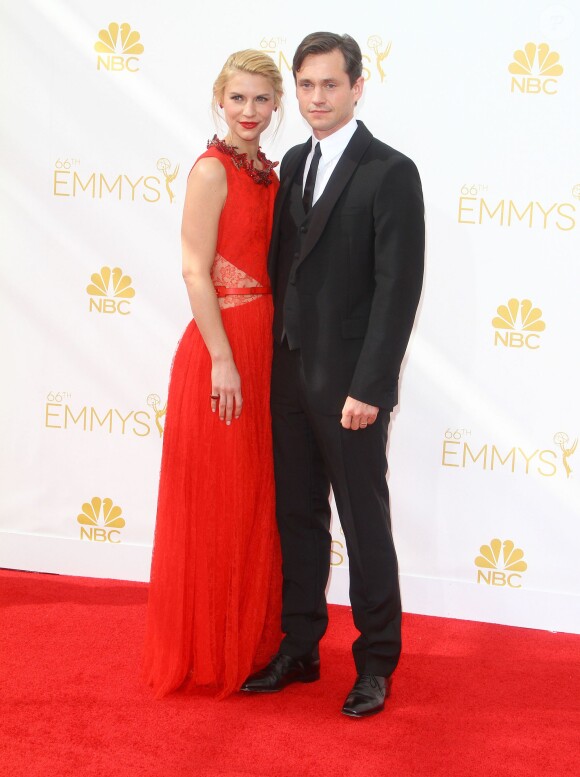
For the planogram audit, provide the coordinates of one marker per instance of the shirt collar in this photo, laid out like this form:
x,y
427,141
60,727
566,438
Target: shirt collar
x,y
334,144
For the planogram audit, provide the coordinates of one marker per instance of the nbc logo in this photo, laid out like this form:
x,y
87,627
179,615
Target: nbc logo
x,y
535,69
500,563
117,47
101,525
110,291
517,325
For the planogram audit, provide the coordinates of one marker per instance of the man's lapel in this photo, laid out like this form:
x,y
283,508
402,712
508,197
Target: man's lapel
x,y
341,175
289,172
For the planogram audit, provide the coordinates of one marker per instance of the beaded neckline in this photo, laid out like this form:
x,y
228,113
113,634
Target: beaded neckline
x,y
241,161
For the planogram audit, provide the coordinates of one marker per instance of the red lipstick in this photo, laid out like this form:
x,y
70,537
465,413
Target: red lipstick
x,y
249,124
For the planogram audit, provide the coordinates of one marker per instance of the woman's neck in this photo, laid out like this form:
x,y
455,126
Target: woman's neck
x,y
250,149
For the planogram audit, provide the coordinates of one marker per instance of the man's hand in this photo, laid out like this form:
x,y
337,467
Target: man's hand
x,y
357,415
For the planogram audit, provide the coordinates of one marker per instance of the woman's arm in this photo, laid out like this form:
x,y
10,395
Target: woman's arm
x,y
204,201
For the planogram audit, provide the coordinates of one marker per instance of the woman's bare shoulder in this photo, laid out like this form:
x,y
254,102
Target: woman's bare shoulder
x,y
208,170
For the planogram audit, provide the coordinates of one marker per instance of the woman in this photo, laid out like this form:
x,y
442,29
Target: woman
x,y
214,602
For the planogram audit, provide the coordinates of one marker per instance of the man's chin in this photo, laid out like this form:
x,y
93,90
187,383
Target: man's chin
x,y
321,122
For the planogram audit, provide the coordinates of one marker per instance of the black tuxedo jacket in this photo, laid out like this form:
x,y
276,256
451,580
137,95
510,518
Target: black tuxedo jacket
x,y
358,273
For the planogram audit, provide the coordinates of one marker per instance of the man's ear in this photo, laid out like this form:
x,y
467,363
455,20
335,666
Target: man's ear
x,y
357,88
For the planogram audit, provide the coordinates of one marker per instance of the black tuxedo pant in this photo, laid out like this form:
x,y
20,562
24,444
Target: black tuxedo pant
x,y
312,452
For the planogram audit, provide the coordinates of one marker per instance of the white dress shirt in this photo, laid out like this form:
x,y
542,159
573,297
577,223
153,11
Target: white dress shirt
x,y
331,149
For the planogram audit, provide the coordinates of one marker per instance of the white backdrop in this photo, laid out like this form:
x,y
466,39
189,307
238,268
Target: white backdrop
x,y
96,149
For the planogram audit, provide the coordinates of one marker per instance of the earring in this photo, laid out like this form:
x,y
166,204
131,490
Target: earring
x,y
221,106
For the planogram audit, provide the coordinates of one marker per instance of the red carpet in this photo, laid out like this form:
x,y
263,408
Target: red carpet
x,y
468,699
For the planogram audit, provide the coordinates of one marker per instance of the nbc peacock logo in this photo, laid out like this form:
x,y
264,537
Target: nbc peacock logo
x,y
110,291
500,564
101,521
518,325
118,48
535,70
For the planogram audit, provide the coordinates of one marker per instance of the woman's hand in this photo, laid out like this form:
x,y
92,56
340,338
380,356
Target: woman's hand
x,y
204,200
226,389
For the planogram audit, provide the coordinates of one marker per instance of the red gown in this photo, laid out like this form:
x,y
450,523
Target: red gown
x,y
215,592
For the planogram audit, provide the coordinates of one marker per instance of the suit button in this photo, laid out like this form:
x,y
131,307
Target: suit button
x,y
296,255
303,229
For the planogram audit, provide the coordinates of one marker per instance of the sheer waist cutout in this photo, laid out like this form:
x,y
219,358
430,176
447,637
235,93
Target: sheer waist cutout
x,y
234,286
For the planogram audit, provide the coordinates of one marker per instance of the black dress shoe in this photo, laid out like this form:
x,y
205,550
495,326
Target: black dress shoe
x,y
367,696
280,672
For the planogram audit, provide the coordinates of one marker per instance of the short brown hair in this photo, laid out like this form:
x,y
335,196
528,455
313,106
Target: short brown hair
x,y
324,43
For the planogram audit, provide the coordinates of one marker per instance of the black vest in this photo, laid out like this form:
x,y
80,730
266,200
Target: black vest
x,y
293,228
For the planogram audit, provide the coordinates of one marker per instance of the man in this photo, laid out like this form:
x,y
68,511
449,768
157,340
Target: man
x,y
346,265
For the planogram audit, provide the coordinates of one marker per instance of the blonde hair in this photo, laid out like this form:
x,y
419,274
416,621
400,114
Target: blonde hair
x,y
249,61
